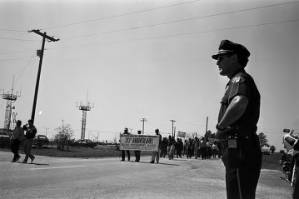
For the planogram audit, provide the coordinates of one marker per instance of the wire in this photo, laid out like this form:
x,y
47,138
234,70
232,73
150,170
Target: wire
x,y
11,30
20,51
183,20
187,34
22,71
17,39
117,16
221,29
12,59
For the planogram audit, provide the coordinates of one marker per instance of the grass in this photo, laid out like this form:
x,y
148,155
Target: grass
x,y
269,161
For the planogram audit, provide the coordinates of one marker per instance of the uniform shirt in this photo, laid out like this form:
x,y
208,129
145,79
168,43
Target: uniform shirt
x,y
242,84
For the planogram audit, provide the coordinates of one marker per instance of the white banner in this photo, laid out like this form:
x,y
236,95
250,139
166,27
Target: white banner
x,y
139,142
181,134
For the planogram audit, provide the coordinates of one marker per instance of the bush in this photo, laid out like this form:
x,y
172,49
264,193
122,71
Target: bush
x,y
84,143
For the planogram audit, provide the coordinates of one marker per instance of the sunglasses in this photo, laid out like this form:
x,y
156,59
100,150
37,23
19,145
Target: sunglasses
x,y
220,57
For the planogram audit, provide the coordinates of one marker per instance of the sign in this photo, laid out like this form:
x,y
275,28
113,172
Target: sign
x,y
181,134
139,142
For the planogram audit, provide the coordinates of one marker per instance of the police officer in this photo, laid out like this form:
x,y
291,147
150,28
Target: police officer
x,y
237,120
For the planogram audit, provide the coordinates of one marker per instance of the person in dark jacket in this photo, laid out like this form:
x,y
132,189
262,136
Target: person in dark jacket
x,y
29,136
16,139
137,152
156,154
123,152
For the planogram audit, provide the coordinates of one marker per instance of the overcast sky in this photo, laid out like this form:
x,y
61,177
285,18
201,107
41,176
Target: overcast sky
x,y
146,58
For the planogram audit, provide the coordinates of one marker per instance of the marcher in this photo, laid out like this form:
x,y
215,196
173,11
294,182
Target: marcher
x,y
164,144
171,148
16,139
196,147
237,122
156,154
137,152
30,134
123,155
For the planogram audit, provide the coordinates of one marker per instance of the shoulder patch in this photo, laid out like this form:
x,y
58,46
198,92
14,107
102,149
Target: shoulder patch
x,y
238,79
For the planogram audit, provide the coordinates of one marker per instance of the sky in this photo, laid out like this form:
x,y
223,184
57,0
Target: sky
x,y
133,59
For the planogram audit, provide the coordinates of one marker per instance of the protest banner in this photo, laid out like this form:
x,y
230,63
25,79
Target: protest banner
x,y
139,142
181,134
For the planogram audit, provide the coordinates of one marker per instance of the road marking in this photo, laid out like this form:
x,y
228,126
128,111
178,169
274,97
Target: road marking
x,y
61,167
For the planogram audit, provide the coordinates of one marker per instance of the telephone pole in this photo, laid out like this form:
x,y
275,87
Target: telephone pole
x,y
40,54
143,120
207,121
172,132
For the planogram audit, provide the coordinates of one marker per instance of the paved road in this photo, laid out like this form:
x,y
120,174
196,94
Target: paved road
x,y
109,178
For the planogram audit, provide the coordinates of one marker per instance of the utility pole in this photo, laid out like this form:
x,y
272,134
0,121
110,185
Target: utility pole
x,y
174,131
143,120
172,122
207,121
40,54
47,131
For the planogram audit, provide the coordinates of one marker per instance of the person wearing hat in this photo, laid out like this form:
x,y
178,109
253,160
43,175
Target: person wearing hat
x,y
137,152
237,122
123,152
156,154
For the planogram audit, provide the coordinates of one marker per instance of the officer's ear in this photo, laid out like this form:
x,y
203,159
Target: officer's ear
x,y
234,58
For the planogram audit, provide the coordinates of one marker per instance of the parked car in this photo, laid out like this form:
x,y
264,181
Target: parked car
x,y
85,143
266,150
40,140
5,135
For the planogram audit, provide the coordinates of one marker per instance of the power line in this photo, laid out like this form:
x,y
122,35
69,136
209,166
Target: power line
x,y
119,15
190,33
22,71
11,30
220,29
186,19
16,39
14,52
12,59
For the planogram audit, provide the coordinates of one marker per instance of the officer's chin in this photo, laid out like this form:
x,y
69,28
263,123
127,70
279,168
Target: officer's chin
x,y
221,73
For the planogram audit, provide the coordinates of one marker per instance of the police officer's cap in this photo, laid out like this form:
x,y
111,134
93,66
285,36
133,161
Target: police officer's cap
x,y
229,47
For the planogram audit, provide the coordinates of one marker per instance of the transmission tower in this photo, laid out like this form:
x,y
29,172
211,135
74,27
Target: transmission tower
x,y
10,97
84,108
